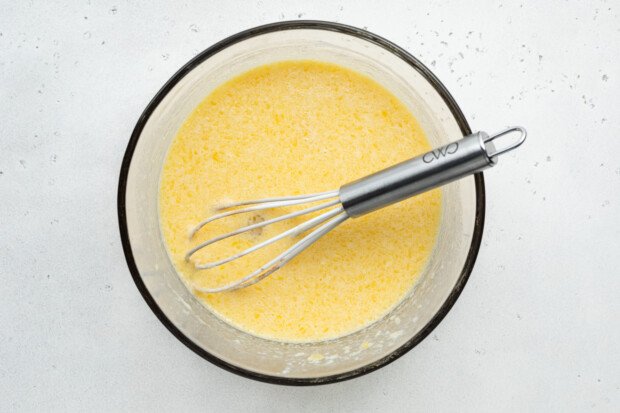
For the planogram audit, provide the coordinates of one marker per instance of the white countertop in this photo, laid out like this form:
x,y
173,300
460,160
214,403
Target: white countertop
x,y
537,326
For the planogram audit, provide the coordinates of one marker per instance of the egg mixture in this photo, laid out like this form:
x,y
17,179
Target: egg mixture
x,y
289,128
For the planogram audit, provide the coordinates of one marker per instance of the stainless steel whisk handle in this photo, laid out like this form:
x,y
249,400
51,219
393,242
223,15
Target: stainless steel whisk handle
x,y
458,159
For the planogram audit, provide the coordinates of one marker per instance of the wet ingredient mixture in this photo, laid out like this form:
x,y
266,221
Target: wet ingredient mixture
x,y
287,128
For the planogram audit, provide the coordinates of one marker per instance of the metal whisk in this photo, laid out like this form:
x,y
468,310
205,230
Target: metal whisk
x,y
440,166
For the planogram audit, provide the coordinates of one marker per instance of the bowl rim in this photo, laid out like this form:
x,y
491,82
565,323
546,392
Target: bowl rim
x,y
204,55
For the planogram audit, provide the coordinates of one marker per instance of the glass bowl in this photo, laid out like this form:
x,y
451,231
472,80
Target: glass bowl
x,y
321,362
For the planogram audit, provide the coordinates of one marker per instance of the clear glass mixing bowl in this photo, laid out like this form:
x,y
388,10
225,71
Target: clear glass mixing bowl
x,y
295,363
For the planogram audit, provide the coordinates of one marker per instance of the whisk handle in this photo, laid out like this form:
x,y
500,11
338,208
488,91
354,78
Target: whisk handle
x,y
458,159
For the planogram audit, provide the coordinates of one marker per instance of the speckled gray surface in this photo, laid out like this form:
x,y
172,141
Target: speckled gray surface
x,y
538,325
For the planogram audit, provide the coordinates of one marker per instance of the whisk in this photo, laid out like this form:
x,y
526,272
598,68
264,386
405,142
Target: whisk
x,y
440,166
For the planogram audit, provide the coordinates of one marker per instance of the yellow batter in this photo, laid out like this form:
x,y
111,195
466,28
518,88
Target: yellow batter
x,y
298,127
